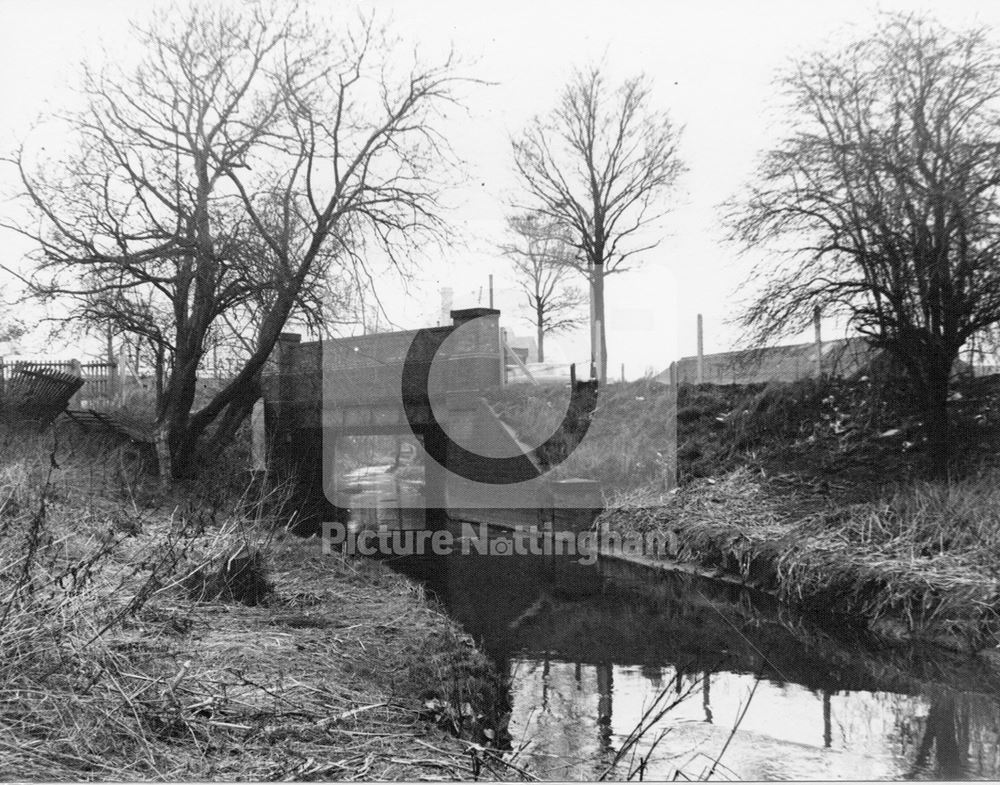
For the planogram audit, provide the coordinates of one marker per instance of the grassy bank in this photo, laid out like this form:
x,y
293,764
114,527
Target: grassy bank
x,y
920,562
171,637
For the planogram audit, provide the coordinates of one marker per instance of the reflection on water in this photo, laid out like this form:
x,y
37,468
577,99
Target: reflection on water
x,y
787,732
589,654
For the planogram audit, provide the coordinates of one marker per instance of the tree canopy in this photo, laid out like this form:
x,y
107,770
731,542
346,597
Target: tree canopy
x,y
249,159
882,199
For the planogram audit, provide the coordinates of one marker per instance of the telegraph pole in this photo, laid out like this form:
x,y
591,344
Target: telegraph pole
x,y
701,352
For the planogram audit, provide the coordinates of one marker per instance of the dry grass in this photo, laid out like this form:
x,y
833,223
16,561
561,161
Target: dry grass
x,y
109,670
928,554
919,562
626,446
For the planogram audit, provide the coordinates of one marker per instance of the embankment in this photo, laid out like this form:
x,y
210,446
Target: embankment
x,y
167,636
918,564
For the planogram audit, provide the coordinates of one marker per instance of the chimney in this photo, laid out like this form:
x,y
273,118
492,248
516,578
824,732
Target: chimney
x,y
447,296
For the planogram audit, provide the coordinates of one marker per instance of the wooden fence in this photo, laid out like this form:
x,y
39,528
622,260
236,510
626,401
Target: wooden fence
x,y
31,393
102,381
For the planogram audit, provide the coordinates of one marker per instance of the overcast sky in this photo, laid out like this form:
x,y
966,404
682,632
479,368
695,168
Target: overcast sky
x,y
712,65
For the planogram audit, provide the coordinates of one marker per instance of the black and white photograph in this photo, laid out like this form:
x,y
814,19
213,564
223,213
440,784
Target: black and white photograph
x,y
536,390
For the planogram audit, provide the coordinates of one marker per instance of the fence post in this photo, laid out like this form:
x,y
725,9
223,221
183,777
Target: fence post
x,y
258,438
701,353
121,368
111,379
77,370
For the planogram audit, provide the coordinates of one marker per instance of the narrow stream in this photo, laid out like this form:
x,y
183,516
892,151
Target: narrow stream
x,y
589,652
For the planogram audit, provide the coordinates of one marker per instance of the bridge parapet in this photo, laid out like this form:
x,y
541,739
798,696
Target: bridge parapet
x,y
358,383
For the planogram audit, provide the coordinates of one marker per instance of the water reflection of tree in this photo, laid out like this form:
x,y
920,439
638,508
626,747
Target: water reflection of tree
x,y
827,723
605,687
946,732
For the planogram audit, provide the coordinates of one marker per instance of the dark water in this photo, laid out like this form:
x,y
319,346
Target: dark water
x,y
590,650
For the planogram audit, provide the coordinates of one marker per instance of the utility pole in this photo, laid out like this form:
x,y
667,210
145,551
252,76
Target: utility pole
x,y
701,352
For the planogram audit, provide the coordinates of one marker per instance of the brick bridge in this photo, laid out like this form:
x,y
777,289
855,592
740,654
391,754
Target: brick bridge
x,y
430,383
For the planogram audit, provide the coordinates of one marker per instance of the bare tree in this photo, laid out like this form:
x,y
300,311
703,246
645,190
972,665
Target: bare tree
x,y
884,198
598,166
247,156
541,259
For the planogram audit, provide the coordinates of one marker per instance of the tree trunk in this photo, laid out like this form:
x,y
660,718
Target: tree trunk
x,y
243,390
159,371
235,413
180,395
541,342
164,463
601,337
936,426
941,734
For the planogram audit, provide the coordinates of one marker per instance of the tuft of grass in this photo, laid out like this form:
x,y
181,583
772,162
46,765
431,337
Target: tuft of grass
x,y
927,554
239,576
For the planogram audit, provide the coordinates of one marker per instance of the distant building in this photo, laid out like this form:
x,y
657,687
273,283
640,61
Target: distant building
x,y
842,358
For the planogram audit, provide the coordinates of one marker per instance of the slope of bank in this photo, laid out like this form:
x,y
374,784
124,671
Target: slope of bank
x,y
348,672
166,636
920,563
